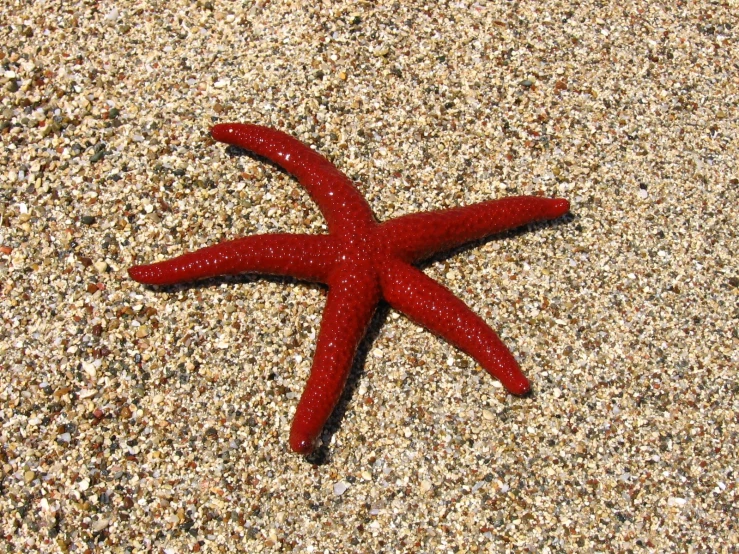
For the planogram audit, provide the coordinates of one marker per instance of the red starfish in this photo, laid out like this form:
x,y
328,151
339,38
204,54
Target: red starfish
x,y
361,261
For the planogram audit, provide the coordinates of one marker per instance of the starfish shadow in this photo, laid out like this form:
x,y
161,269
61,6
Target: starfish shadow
x,y
506,235
447,255
322,455
356,255
236,152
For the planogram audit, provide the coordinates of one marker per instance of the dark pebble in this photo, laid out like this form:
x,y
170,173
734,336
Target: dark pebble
x,y
211,433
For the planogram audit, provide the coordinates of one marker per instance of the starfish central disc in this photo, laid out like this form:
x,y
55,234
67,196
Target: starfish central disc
x,y
362,261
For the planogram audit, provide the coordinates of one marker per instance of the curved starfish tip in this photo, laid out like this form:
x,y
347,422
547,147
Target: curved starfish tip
x,y
362,261
302,445
559,207
135,273
520,388
221,131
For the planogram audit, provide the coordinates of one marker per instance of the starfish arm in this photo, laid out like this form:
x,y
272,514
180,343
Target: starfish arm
x,y
435,307
418,236
344,208
306,257
352,299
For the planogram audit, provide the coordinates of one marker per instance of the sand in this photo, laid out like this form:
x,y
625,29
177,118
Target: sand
x,y
138,419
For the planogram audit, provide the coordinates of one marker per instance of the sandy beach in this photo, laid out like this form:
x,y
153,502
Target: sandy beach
x,y
156,419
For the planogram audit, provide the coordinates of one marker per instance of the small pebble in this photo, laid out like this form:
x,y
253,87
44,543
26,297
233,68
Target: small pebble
x,y
340,488
100,524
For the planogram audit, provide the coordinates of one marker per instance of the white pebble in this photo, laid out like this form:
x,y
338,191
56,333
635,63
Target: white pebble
x,y
340,488
100,524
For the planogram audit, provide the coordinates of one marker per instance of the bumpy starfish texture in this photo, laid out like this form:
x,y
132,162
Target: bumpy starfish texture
x,y
361,261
